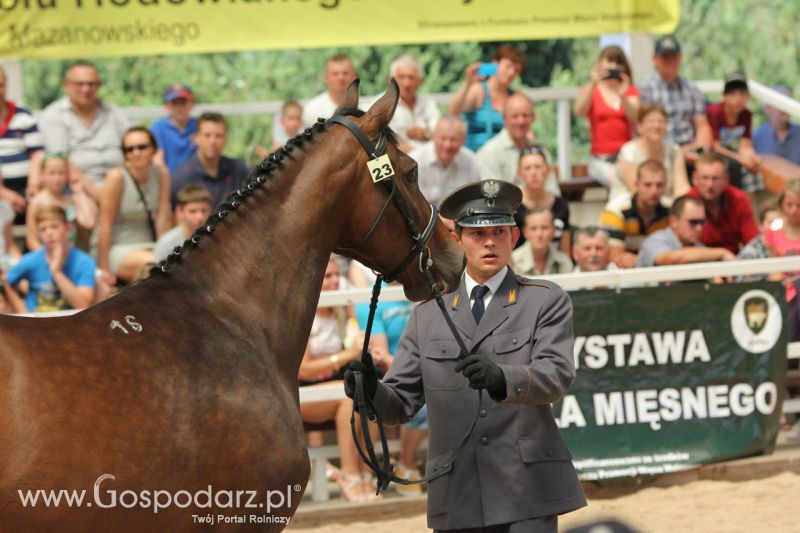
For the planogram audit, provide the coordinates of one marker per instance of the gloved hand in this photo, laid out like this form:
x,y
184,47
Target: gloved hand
x,y
370,379
483,373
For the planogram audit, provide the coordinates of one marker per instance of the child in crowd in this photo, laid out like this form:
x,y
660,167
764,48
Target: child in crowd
x,y
174,132
59,275
9,251
731,123
291,121
783,239
79,206
191,211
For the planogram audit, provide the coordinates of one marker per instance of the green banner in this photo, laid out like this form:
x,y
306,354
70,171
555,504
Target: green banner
x,y
672,377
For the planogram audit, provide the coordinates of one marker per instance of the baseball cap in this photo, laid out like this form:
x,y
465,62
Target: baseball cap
x,y
733,81
667,45
178,90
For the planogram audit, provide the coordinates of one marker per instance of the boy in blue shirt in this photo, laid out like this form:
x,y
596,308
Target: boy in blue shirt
x,y
59,275
174,132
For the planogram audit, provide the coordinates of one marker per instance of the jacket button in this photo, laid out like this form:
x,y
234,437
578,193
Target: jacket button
x,y
482,413
548,452
484,440
445,465
513,341
435,468
444,349
518,390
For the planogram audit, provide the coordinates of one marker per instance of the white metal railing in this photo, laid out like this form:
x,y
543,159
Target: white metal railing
x,y
606,278
562,96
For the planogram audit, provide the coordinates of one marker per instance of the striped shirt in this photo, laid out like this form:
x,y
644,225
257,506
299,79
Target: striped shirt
x,y
682,100
19,138
625,226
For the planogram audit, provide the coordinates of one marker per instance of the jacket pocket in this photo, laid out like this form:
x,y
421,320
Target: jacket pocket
x,y
438,370
507,342
541,450
440,463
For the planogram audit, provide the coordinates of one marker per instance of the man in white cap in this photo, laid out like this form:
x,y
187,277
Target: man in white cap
x,y
514,472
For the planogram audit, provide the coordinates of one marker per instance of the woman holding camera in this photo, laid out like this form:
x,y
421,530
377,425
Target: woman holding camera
x,y
609,101
482,96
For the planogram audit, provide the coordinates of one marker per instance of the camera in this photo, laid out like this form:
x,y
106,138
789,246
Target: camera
x,y
614,74
487,69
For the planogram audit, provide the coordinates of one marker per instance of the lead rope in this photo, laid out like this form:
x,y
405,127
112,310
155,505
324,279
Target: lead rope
x,y
362,403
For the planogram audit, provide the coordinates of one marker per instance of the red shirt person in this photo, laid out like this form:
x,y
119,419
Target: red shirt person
x,y
730,222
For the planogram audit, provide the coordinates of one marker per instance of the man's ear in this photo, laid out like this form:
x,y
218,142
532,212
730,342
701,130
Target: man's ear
x,y
514,235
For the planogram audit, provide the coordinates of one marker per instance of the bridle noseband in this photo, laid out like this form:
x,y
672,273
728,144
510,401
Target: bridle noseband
x,y
362,404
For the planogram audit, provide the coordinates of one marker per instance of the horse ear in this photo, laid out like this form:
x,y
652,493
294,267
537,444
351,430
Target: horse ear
x,y
382,110
350,100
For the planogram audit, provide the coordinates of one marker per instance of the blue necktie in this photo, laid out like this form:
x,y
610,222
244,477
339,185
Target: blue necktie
x,y
478,292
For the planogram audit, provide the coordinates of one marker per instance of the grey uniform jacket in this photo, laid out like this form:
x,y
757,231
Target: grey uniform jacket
x,y
515,465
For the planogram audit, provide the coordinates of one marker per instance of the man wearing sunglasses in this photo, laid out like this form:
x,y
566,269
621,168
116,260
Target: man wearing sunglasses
x,y
731,223
680,242
85,127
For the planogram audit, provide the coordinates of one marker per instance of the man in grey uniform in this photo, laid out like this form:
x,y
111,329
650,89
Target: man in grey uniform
x,y
514,472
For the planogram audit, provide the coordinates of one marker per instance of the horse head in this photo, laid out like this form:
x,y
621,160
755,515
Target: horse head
x,y
395,230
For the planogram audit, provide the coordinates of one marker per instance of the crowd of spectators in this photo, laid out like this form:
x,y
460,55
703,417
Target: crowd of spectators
x,y
103,200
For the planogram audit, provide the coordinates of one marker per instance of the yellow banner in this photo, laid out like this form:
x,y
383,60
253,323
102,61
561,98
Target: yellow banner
x,y
79,28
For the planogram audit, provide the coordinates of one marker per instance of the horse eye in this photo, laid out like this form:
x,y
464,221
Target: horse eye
x,y
411,175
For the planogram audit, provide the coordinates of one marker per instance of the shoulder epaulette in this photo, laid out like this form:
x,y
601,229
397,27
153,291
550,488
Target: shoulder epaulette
x,y
531,282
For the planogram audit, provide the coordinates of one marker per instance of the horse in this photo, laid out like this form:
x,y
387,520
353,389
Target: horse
x,y
174,404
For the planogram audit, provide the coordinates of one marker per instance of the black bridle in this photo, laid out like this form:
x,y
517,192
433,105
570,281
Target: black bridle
x,y
362,403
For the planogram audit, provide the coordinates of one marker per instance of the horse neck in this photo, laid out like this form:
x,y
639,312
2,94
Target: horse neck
x,y
262,268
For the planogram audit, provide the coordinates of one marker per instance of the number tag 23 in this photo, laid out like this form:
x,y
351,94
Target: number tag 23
x,y
380,168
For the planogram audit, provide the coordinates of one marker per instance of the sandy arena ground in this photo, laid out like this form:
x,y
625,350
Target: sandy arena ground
x,y
707,506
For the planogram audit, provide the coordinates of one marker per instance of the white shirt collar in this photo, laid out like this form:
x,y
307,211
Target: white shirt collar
x,y
493,283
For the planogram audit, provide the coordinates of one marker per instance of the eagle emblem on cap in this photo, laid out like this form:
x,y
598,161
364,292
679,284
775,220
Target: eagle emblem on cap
x,y
490,189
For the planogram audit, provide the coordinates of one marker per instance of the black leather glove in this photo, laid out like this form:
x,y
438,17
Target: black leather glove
x,y
483,373
370,379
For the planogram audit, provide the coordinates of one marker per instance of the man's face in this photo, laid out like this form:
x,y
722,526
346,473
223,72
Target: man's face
x,y
409,80
447,141
689,226
210,139
736,100
52,232
539,230
710,180
487,249
667,65
338,75
179,109
192,215
518,117
81,85
779,119
650,188
592,253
